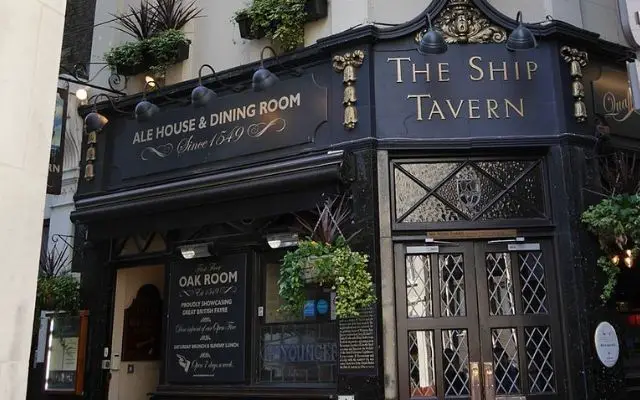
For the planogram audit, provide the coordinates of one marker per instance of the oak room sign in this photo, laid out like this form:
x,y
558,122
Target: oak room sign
x,y
471,90
286,115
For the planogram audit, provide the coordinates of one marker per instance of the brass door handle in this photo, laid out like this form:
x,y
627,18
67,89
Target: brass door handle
x,y
476,386
489,382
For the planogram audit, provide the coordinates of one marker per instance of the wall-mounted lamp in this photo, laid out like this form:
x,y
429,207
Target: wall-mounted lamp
x,y
199,250
94,121
145,110
281,240
263,78
521,38
201,95
432,41
82,94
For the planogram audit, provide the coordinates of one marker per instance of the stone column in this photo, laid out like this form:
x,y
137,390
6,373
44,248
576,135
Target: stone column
x,y
30,44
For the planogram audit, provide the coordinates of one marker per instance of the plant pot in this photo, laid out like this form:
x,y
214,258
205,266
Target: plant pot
x,y
131,70
244,25
316,9
182,52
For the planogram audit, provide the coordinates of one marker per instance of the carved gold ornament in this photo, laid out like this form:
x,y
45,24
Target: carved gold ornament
x,y
90,156
576,60
347,64
462,22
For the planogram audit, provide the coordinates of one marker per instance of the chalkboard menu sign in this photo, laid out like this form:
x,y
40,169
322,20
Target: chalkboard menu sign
x,y
206,328
357,343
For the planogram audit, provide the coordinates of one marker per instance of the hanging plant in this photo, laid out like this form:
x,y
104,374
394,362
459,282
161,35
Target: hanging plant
x,y
281,21
57,289
325,259
615,221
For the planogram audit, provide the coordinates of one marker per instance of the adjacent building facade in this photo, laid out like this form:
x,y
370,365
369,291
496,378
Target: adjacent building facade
x,y
466,173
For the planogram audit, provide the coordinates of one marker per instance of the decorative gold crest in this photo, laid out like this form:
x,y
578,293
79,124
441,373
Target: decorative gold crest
x,y
577,60
461,22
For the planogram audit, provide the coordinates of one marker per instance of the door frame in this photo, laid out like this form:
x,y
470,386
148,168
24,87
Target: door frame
x,y
477,297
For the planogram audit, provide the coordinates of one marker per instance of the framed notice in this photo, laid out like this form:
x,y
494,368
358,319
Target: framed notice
x,y
65,353
206,326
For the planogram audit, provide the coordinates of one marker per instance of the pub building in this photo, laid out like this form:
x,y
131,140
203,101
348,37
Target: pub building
x,y
465,165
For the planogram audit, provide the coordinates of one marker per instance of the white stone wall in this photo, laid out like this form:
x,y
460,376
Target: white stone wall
x,y
31,56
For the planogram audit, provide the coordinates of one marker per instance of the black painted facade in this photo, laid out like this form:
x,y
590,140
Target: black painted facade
x,y
486,119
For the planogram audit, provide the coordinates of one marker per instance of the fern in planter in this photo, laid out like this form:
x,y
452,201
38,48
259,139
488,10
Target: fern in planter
x,y
57,289
281,21
326,259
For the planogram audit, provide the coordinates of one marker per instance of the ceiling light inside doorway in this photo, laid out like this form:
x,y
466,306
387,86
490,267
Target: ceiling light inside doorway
x,y
280,240
199,250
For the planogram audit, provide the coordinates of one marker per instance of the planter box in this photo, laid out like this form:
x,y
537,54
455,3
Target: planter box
x,y
244,25
183,52
128,70
316,9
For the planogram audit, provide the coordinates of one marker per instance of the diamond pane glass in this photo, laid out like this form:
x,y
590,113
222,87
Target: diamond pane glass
x,y
422,376
504,171
432,210
430,174
505,361
419,303
499,283
455,362
534,290
539,360
408,193
469,191
452,289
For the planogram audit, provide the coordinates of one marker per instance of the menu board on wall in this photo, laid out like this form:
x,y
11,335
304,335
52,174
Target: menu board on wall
x,y
206,327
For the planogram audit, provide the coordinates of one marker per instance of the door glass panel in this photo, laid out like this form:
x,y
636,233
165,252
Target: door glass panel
x,y
505,361
452,289
422,377
539,360
534,290
455,362
419,304
499,283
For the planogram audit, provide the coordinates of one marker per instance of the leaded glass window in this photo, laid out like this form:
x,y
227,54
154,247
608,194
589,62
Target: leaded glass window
x,y
468,190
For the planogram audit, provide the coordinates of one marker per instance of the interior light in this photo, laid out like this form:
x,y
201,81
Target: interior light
x,y
199,250
281,240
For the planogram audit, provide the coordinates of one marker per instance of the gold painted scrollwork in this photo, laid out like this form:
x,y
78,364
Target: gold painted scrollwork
x,y
577,60
347,64
461,22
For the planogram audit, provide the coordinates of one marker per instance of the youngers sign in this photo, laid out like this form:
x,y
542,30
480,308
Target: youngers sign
x,y
471,90
287,114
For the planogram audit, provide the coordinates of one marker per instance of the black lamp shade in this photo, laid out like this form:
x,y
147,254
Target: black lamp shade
x,y
201,95
263,79
521,39
94,122
146,110
432,42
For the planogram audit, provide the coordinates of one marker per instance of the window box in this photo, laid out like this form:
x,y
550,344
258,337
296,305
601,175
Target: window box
x,y
316,9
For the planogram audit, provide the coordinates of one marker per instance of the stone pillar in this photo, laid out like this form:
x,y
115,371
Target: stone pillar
x,y
30,44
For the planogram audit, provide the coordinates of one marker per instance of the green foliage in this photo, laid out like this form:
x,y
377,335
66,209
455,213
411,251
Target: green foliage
x,y
160,51
282,21
138,22
58,293
616,223
331,265
175,14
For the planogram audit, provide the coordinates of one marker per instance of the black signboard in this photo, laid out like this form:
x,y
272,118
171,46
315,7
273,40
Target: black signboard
x,y
613,101
357,343
472,90
54,179
206,328
287,114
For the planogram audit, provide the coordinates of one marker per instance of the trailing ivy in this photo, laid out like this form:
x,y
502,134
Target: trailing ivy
x,y
334,266
282,21
616,223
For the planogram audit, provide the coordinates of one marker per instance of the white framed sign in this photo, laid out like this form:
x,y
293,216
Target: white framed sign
x,y
607,346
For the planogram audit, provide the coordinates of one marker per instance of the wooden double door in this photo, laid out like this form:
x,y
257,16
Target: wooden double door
x,y
478,320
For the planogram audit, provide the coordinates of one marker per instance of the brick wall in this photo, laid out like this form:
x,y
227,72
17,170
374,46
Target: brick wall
x,y
78,32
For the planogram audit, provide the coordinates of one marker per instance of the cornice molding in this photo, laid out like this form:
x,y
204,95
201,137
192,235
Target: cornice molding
x,y
322,51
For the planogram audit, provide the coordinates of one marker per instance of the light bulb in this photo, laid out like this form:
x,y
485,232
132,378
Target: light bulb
x,y
628,252
82,94
615,259
149,79
628,261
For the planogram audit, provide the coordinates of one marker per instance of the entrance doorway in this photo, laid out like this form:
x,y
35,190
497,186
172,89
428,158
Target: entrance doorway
x,y
477,320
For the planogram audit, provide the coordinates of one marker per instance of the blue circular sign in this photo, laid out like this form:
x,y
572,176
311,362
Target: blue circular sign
x,y
322,306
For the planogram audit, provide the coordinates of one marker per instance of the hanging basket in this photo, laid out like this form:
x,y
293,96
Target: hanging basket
x,y
309,273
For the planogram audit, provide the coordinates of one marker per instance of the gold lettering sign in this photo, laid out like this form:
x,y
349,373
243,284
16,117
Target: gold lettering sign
x,y
478,69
